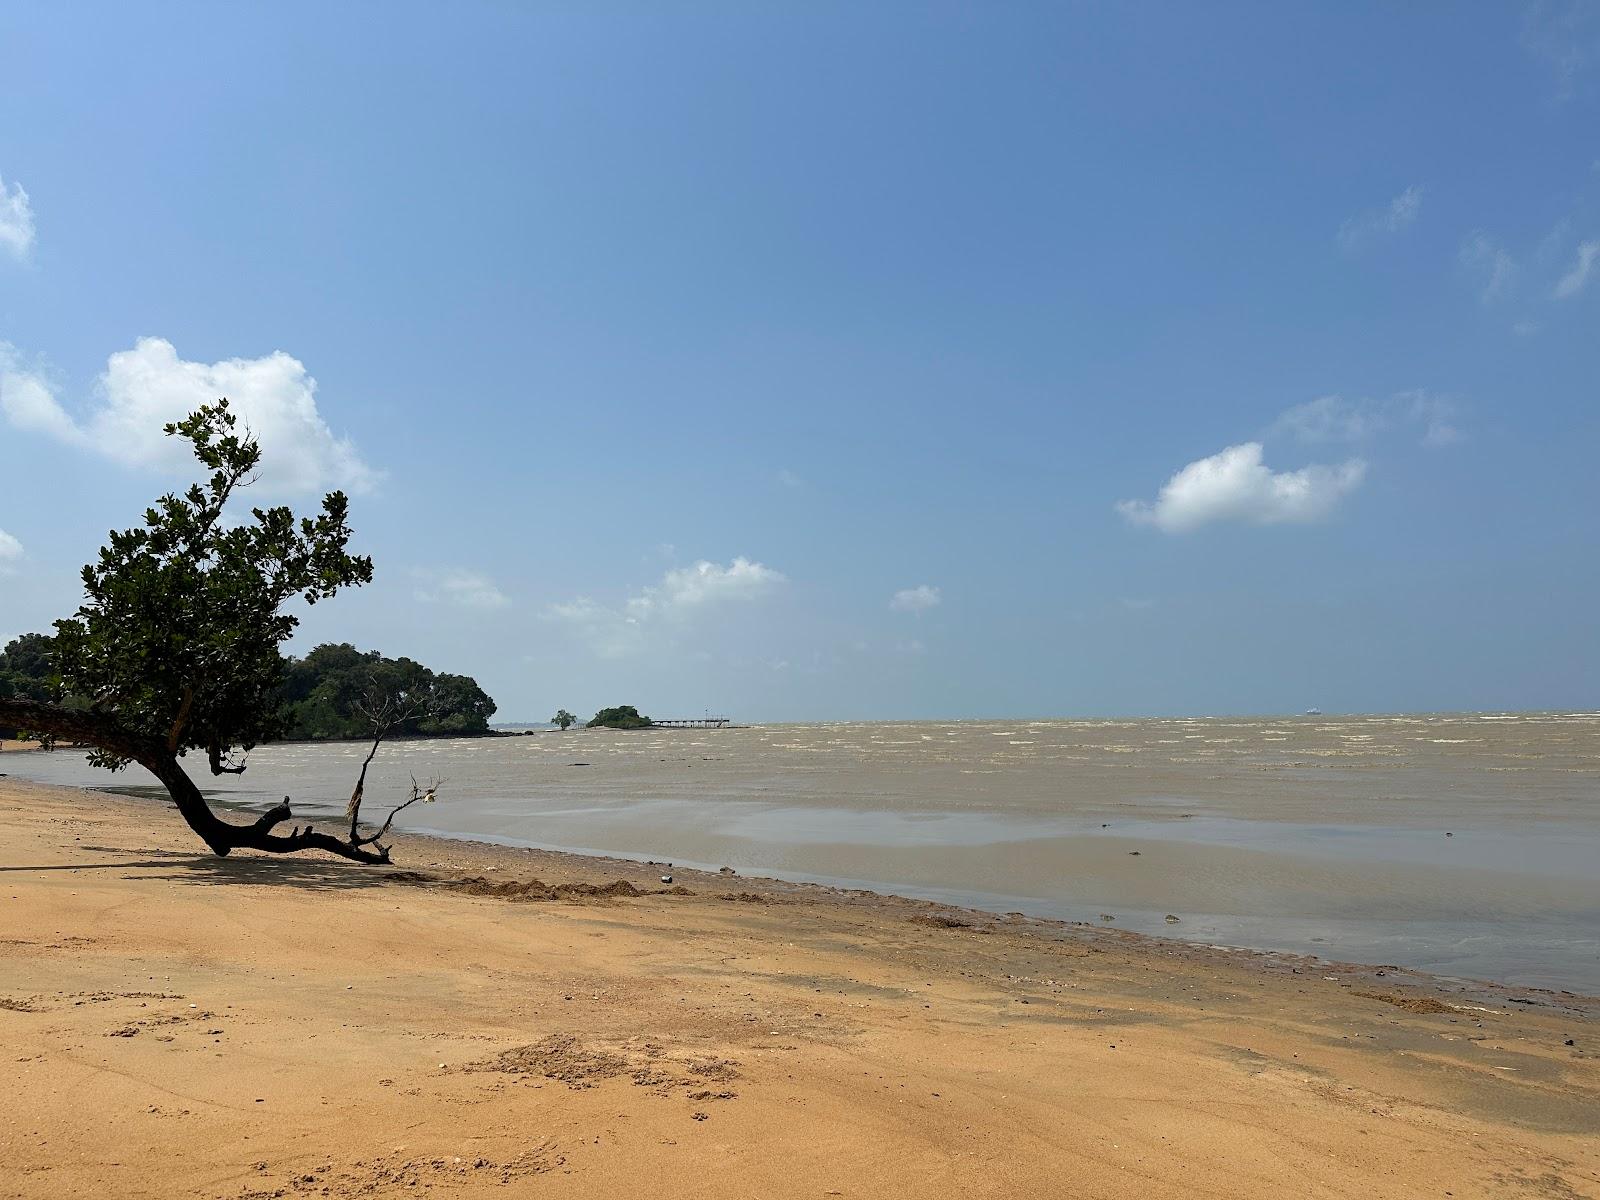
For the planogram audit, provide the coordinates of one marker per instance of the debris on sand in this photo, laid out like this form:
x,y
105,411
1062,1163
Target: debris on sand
x,y
1409,1001
537,889
561,1057
1172,920
940,921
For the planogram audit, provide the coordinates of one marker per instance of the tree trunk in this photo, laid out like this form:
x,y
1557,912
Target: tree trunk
x,y
106,733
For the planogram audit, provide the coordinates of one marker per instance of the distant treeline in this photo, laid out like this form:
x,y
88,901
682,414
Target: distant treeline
x,y
25,670
323,695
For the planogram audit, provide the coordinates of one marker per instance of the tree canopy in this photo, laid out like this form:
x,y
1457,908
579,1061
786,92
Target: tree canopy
x,y
624,716
177,644
563,719
324,695
178,637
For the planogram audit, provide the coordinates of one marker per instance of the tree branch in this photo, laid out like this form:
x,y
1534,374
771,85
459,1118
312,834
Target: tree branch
x,y
218,767
417,793
175,734
79,725
384,711
99,730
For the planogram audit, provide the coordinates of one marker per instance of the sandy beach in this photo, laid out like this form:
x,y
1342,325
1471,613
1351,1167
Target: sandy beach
x,y
1462,845
257,1027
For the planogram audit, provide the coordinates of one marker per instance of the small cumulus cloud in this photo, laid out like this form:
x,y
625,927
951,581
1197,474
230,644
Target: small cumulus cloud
x,y
1336,419
458,586
1435,414
16,219
916,599
789,479
144,388
687,588
1392,218
1490,264
1236,485
10,551
1331,419
683,594
1576,279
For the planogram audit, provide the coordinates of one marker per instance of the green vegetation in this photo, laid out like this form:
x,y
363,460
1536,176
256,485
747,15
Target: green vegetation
x,y
564,719
327,694
624,716
177,645
25,672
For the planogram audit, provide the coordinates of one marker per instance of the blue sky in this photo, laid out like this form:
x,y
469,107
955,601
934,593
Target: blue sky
x,y
842,361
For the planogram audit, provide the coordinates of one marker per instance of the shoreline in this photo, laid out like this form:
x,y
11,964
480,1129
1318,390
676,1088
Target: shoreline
x,y
569,860
260,1026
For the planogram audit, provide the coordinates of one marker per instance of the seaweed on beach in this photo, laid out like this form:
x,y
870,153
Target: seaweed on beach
x,y
537,889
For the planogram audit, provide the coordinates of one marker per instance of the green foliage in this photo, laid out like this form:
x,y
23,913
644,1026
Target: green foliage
x,y
329,692
624,716
564,719
27,671
178,637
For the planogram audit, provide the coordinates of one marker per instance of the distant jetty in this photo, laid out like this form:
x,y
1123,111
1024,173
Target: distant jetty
x,y
693,723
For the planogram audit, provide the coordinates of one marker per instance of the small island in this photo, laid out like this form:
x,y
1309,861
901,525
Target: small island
x,y
624,716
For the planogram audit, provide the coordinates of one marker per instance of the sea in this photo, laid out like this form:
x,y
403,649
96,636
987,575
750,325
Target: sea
x,y
1464,845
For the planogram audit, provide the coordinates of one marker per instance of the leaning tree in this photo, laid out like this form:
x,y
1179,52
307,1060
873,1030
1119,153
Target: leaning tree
x,y
175,647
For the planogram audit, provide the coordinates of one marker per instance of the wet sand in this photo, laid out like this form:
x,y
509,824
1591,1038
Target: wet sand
x,y
1463,845
181,1025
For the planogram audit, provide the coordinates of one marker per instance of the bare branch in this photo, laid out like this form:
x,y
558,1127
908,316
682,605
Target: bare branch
x,y
218,767
418,792
384,711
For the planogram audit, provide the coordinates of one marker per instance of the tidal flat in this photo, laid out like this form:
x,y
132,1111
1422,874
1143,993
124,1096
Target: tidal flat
x,y
1465,845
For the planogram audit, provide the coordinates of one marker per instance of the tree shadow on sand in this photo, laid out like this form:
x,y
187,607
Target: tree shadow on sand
x,y
179,866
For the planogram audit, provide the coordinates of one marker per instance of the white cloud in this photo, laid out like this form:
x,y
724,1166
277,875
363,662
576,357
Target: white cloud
x,y
1574,280
682,594
1234,485
27,400
685,588
1335,419
10,551
917,599
1331,419
455,585
16,219
1392,218
1566,34
789,479
1436,415
144,388
1493,265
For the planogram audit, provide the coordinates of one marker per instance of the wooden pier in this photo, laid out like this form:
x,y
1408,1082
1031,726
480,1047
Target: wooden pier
x,y
694,723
